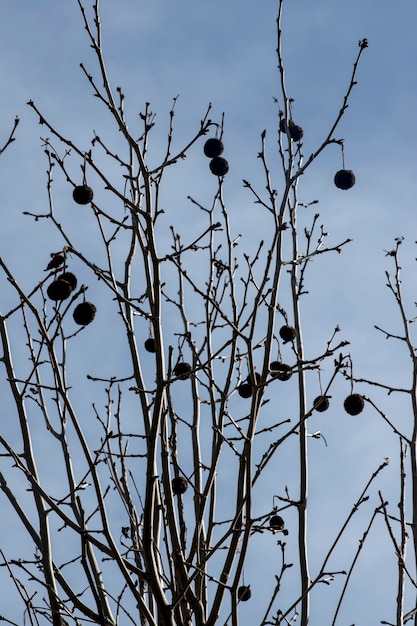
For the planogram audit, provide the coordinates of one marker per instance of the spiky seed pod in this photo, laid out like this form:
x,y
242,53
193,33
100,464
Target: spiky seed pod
x,y
150,345
219,166
244,593
84,313
182,370
276,522
245,390
213,147
70,278
344,179
354,404
321,403
82,194
179,485
287,333
59,290
282,371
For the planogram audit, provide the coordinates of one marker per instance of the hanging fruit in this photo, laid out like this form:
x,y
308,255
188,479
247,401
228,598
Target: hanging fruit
x,y
354,404
321,403
82,194
344,179
213,147
59,290
84,313
179,485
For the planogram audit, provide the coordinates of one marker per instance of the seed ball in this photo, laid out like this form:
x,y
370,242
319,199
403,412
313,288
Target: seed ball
x,y
321,403
219,166
344,179
150,345
59,289
70,278
296,132
179,485
287,333
182,370
354,404
276,522
245,390
244,593
82,194
84,313
282,371
213,147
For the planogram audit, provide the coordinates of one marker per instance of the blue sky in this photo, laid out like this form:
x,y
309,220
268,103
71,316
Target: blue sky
x,y
224,53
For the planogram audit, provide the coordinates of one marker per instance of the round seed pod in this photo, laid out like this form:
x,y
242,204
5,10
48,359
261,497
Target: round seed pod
x,y
179,485
321,403
244,593
150,345
70,278
296,132
282,371
82,194
213,147
344,179
287,333
354,404
84,313
245,390
219,166
182,370
59,289
276,522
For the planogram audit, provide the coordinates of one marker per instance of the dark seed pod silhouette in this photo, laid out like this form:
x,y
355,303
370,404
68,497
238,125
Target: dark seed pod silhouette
x,y
321,403
244,593
84,313
245,390
59,290
296,132
287,333
219,166
179,485
82,194
182,370
150,345
344,179
354,404
70,278
276,522
213,147
282,371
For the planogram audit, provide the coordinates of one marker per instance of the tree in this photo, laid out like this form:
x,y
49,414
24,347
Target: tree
x,y
142,491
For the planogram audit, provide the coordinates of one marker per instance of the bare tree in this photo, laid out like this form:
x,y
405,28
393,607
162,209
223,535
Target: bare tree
x,y
117,482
